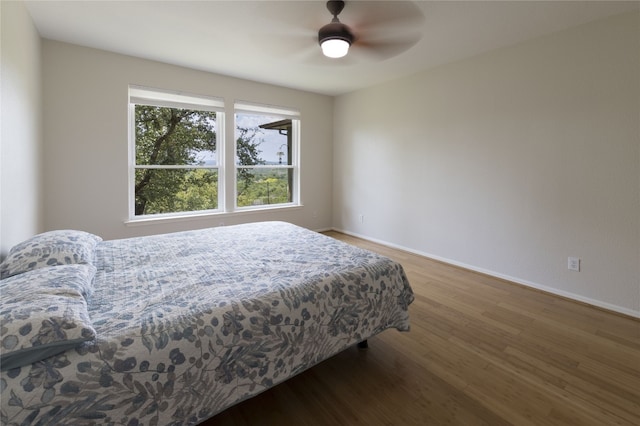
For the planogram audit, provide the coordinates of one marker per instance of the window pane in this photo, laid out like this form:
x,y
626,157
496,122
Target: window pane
x,y
174,136
171,190
264,186
262,139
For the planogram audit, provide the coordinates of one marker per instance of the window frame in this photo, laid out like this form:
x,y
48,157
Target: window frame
x,y
241,107
139,95
226,164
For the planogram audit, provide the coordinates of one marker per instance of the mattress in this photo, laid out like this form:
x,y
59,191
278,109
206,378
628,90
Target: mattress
x,y
186,324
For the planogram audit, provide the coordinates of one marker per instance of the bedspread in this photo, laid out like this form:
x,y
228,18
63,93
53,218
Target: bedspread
x,y
190,323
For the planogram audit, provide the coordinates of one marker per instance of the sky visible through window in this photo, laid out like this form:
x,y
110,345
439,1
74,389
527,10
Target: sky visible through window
x,y
271,141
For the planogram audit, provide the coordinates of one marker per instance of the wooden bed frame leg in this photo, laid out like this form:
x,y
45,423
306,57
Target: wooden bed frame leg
x,y
363,345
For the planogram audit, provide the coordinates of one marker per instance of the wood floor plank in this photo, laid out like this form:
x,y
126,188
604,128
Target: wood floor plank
x,y
481,351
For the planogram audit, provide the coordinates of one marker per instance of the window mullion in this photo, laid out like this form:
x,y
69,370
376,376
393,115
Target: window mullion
x,y
271,176
230,185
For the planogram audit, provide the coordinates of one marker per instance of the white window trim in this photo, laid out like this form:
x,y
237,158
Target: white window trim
x,y
241,107
226,151
166,98
254,108
221,217
139,95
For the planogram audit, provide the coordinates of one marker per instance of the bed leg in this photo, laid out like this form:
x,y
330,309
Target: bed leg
x,y
363,345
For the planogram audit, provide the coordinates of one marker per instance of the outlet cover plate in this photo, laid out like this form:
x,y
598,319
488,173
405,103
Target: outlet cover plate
x,y
573,264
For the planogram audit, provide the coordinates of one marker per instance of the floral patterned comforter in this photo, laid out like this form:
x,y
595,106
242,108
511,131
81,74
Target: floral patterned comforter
x,y
190,323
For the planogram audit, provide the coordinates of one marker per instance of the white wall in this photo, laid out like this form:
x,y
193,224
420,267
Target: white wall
x,y
85,135
507,163
20,123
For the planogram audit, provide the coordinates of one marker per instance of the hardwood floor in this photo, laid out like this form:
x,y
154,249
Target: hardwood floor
x,y
481,351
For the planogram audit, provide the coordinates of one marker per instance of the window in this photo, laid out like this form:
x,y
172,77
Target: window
x,y
175,152
177,156
265,156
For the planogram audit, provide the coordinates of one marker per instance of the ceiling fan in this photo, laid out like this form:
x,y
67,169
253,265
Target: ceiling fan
x,y
381,29
363,31
335,38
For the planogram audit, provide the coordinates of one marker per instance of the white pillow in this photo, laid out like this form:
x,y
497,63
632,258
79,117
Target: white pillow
x,y
61,247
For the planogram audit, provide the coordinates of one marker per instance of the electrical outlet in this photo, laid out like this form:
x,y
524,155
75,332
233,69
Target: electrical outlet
x,y
573,264
361,218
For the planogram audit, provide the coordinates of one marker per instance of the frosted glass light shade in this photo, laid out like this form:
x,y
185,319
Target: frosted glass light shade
x,y
335,48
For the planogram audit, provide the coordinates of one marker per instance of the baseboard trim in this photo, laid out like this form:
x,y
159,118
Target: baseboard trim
x,y
568,295
321,230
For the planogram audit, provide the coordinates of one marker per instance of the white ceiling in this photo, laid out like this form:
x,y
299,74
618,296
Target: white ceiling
x,y
276,41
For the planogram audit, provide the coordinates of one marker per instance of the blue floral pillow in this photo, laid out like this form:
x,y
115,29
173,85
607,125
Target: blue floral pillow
x,y
44,313
61,247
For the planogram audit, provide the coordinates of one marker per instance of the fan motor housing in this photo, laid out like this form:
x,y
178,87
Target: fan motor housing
x,y
335,30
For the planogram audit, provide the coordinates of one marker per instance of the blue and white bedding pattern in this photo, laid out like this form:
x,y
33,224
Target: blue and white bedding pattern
x,y
189,323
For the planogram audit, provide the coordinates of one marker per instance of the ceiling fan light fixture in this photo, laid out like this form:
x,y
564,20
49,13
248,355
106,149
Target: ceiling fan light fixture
x,y
335,38
335,47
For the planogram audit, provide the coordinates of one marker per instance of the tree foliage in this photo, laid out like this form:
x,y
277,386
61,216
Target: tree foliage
x,y
248,155
268,186
180,137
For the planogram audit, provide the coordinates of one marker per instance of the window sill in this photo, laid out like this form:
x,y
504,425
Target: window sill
x,y
247,211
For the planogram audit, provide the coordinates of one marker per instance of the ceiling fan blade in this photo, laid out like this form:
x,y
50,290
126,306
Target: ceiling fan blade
x,y
385,49
388,16
302,48
382,30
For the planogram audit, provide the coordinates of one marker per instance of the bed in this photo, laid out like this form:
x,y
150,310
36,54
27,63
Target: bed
x,y
175,328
